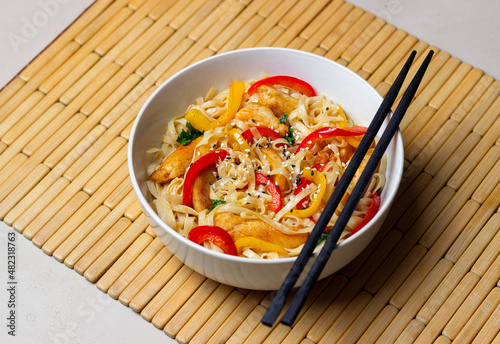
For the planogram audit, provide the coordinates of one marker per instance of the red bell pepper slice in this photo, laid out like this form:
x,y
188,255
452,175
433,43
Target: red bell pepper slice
x,y
264,131
276,201
303,183
328,133
372,210
288,81
218,236
193,171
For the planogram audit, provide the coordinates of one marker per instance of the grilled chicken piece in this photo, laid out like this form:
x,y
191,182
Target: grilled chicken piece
x,y
279,103
326,154
175,164
201,188
227,220
241,228
275,161
261,116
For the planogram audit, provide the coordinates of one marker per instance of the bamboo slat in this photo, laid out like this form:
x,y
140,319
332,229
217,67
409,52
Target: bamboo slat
x,y
119,246
438,322
431,273
415,302
242,312
490,329
434,254
122,263
460,268
192,307
479,318
136,266
155,284
482,289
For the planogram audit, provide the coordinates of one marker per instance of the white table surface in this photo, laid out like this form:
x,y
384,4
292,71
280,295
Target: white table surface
x,y
57,305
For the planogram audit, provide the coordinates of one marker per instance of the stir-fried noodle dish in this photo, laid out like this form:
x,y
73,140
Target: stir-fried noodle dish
x,y
247,171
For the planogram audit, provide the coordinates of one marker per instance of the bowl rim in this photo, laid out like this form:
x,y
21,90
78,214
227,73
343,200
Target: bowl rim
x,y
151,212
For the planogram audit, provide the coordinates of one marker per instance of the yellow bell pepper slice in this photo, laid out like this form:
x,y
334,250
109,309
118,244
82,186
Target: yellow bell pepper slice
x,y
344,122
258,244
240,142
353,141
201,122
319,179
236,91
198,120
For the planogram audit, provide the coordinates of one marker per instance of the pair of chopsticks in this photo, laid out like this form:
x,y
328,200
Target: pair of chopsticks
x,y
282,295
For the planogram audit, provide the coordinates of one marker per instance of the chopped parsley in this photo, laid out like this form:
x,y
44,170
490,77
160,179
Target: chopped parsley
x,y
215,203
289,136
186,137
284,118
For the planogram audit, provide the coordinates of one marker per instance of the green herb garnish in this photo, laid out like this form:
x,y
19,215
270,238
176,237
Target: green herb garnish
x,y
324,235
216,202
186,137
284,118
289,136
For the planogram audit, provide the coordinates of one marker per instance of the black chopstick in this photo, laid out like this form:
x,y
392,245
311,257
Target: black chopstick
x,y
306,252
356,195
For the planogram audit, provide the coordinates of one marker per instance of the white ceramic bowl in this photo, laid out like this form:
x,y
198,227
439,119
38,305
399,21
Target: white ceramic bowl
x,y
356,96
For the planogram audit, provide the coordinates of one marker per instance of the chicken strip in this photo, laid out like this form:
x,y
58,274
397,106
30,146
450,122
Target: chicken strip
x,y
279,103
175,164
326,154
227,220
261,116
201,188
239,228
262,230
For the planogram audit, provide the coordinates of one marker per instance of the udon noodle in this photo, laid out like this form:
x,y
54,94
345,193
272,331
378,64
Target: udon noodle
x,y
255,166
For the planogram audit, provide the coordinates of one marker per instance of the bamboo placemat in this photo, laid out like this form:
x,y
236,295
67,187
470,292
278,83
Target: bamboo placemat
x,y
431,274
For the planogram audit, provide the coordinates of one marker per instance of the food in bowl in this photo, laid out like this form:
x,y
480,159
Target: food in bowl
x,y
248,170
